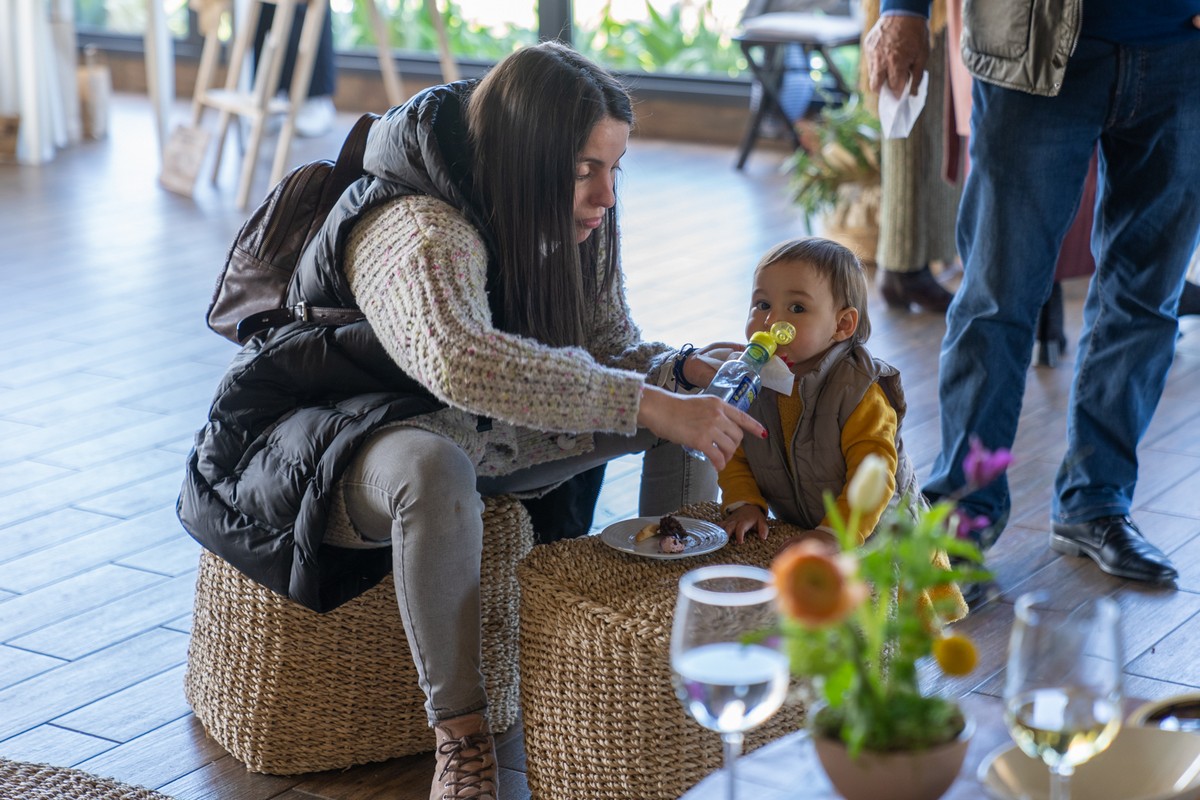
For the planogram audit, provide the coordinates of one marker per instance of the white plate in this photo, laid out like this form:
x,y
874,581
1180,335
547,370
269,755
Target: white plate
x,y
1140,764
702,537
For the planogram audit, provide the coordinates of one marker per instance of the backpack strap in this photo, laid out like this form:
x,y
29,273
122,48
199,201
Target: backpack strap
x,y
346,170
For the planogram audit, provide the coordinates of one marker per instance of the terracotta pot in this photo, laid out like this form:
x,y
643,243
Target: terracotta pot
x,y
917,775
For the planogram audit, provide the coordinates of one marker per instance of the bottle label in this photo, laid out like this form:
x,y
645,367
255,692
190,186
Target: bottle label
x,y
743,394
757,353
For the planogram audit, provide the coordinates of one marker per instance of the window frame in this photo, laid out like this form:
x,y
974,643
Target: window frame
x,y
555,18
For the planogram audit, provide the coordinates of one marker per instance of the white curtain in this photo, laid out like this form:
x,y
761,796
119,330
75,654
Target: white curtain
x,y
37,75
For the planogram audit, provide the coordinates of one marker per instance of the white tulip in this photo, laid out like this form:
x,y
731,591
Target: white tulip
x,y
868,484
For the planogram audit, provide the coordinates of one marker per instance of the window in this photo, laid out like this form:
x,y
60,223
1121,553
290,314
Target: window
x,y
661,36
484,30
128,16
669,37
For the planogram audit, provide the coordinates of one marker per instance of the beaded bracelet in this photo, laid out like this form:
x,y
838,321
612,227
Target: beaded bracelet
x,y
683,383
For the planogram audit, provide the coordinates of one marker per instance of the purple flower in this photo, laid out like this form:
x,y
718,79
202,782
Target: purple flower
x,y
982,466
965,524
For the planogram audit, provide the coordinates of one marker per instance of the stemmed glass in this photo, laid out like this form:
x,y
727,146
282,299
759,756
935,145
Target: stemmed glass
x,y
729,670
1062,695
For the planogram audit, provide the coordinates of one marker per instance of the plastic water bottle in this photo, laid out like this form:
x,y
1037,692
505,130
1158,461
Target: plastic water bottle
x,y
739,380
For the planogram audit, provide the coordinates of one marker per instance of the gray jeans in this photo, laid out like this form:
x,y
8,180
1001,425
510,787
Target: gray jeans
x,y
419,490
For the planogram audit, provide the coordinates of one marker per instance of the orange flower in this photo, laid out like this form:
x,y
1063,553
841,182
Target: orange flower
x,y
816,588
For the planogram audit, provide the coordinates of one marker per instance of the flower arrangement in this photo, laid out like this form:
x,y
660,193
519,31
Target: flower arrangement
x,y
841,149
858,621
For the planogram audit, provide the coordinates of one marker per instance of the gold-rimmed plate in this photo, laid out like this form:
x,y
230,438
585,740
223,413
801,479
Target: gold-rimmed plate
x,y
1140,764
1180,712
702,537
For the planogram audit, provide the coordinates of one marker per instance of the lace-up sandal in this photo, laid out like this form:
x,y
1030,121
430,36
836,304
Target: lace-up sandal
x,y
466,760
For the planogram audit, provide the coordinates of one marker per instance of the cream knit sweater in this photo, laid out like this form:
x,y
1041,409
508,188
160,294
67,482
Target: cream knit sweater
x,y
418,269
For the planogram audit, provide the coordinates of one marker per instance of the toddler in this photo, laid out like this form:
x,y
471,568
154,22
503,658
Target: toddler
x,y
844,405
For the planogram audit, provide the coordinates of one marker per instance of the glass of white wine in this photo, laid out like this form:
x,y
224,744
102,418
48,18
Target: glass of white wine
x,y
1062,694
729,670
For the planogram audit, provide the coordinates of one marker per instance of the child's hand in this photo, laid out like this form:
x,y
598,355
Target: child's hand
x,y
704,363
744,519
821,537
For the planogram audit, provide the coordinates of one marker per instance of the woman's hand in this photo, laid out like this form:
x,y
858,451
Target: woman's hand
x,y
699,421
702,365
743,519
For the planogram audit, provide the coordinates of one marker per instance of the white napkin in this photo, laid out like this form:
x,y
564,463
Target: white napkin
x,y
898,114
778,376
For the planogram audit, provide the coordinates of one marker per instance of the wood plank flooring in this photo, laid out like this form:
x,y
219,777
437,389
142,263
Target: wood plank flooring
x,y
107,370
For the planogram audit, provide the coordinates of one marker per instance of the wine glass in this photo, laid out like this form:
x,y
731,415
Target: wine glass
x,y
729,671
1062,695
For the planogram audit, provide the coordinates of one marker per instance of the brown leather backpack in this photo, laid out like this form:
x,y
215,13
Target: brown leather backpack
x,y
251,290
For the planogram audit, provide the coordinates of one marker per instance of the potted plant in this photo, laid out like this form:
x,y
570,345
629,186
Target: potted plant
x,y
858,621
835,174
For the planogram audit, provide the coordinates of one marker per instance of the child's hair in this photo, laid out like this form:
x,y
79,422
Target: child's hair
x,y
847,279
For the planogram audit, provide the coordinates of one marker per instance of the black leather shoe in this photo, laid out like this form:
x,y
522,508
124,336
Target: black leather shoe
x,y
902,289
977,593
1189,301
1117,546
1051,340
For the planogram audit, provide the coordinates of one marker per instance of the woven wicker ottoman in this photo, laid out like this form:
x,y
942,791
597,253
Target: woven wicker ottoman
x,y
286,690
601,719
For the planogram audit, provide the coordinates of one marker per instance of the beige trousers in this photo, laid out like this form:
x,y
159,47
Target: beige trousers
x,y
918,207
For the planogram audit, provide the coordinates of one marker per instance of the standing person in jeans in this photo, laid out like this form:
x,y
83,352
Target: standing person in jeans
x,y
497,355
1052,83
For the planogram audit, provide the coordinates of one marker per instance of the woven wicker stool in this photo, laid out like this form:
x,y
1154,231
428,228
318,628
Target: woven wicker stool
x,y
601,719
287,690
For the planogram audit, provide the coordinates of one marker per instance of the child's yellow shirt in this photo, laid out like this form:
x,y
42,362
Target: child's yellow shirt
x,y
871,428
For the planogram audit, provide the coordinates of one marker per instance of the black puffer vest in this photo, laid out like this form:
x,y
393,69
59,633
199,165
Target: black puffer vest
x,y
298,400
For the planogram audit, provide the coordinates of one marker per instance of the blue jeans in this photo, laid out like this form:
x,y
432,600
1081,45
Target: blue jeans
x,y
1030,157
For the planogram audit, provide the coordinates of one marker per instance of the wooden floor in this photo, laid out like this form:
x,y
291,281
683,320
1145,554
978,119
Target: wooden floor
x,y
107,369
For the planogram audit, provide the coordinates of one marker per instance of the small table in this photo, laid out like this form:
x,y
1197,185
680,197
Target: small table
x,y
788,767
762,40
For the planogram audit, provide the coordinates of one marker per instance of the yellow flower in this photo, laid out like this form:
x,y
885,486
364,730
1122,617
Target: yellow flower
x,y
816,588
955,654
868,484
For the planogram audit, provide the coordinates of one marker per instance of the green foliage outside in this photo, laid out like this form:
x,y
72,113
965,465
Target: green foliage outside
x,y
127,16
683,39
411,28
686,38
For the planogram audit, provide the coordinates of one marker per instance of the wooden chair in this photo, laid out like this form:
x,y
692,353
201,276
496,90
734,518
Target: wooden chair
x,y
257,103
764,39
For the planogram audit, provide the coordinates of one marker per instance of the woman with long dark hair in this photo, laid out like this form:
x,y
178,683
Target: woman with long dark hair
x,y
497,356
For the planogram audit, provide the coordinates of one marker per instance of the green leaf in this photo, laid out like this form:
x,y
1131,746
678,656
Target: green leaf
x,y
837,684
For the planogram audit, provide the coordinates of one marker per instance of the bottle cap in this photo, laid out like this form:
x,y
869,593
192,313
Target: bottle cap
x,y
783,332
764,340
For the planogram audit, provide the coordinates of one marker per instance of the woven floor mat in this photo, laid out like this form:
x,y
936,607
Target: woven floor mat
x,y
22,781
